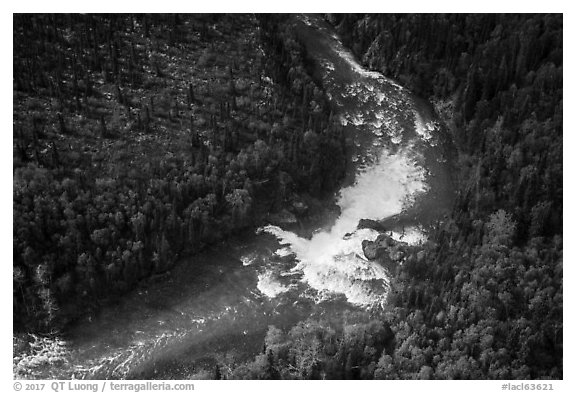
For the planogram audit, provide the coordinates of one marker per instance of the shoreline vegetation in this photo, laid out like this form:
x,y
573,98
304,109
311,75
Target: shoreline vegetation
x,y
135,146
482,299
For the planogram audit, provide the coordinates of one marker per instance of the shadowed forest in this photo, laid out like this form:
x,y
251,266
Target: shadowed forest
x,y
137,144
142,139
483,299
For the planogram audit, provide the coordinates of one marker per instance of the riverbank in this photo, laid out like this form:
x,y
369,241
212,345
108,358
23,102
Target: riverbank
x,y
218,310
121,172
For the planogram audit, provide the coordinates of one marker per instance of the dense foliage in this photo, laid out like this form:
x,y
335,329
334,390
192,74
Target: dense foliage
x,y
135,145
483,298
138,139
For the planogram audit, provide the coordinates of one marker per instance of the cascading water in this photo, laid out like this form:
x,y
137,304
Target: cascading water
x,y
224,300
332,261
386,182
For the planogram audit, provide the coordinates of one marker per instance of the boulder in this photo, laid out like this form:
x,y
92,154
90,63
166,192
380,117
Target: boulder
x,y
365,223
385,241
377,249
385,249
370,249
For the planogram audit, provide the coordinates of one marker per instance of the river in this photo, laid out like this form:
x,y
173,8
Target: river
x,y
221,303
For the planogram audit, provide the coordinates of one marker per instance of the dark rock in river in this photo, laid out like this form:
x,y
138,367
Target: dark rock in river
x,y
370,249
384,249
365,223
385,241
378,248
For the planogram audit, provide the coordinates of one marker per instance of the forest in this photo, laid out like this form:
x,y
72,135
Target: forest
x,y
140,139
483,298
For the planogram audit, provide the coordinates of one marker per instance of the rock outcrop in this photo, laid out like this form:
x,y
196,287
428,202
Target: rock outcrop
x,y
384,249
365,223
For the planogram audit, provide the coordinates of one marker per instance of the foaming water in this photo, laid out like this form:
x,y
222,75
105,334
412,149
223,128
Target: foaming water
x,y
249,259
227,296
423,128
332,261
386,182
269,285
332,265
411,235
380,191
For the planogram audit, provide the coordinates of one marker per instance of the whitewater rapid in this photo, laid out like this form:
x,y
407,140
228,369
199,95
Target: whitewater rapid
x,y
388,179
332,261
223,300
